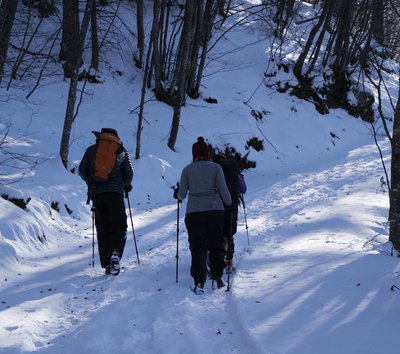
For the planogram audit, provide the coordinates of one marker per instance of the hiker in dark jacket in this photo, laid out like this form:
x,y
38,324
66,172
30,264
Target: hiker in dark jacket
x,y
231,171
205,182
107,195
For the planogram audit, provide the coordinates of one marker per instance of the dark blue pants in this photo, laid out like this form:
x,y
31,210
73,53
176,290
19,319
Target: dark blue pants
x,y
205,231
111,225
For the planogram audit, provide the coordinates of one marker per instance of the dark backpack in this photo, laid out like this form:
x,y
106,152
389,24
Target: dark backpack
x,y
108,147
231,174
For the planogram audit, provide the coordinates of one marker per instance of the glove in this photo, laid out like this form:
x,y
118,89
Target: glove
x,y
176,189
128,188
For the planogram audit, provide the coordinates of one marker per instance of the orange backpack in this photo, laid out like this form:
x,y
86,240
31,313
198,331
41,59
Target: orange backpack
x,y
108,148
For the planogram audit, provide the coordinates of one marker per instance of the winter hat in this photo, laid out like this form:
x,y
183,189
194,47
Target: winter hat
x,y
200,149
109,131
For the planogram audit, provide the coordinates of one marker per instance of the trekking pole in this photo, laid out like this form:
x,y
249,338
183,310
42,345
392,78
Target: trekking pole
x,y
245,220
230,252
93,217
175,189
177,239
133,229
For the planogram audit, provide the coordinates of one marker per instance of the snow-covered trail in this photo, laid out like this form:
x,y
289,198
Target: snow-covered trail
x,y
315,273
62,300
305,278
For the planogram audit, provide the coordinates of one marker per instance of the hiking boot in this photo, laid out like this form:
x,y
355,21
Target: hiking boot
x,y
199,289
114,260
220,283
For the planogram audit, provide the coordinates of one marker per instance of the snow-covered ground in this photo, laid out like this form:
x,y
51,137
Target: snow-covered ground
x,y
313,268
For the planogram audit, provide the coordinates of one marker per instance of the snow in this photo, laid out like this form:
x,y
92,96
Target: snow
x,y
313,269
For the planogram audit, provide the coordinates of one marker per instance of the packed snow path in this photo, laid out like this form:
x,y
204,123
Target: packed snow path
x,y
312,271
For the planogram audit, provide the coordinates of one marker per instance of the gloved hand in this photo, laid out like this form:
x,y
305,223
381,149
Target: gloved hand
x,y
176,189
127,188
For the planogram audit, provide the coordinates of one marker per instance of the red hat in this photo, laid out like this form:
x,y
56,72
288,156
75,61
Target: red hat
x,y
200,149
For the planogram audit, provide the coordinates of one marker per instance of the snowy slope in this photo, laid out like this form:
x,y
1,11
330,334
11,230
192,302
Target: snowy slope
x,y
313,272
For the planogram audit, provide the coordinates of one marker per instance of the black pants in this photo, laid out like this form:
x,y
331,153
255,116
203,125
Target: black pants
x,y
111,225
230,229
205,231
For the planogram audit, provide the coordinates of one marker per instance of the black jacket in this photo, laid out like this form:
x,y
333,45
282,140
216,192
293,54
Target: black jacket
x,y
118,183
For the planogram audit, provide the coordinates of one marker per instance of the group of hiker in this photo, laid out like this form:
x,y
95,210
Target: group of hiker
x,y
213,186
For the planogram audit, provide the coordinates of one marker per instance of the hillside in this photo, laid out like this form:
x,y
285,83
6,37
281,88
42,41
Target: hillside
x,y
314,271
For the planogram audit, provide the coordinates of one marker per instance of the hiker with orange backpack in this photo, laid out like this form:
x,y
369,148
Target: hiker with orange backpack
x,y
107,171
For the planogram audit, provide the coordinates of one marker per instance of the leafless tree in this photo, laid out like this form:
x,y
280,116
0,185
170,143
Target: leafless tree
x,y
182,67
70,35
394,210
94,37
75,64
140,32
8,9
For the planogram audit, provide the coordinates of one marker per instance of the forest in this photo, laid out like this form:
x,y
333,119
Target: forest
x,y
341,54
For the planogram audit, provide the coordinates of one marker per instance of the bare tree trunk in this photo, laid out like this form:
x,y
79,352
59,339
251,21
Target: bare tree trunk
x,y
156,60
282,16
378,21
394,211
337,94
221,10
25,45
317,48
341,51
8,9
140,32
183,59
46,8
69,114
209,16
70,35
165,49
392,34
95,37
142,101
172,69
298,67
198,34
